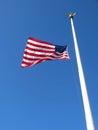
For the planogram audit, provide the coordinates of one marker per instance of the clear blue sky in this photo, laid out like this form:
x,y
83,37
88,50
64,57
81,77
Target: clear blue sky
x,y
47,96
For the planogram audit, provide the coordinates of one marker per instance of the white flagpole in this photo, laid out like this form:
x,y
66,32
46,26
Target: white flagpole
x,y
86,103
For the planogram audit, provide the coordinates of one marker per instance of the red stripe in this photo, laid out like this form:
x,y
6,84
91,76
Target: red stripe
x,y
30,64
40,46
27,64
42,55
35,59
39,61
30,58
40,41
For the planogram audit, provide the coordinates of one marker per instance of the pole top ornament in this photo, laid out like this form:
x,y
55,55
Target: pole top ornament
x,y
71,15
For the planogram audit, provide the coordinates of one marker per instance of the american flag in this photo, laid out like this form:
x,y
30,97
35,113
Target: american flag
x,y
37,51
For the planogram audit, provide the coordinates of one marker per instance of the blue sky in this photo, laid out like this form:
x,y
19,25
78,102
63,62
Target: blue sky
x,y
47,96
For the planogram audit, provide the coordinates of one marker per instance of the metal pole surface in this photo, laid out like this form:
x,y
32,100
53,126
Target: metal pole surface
x,y
86,103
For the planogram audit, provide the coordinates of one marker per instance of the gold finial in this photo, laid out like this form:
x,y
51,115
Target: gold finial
x,y
71,15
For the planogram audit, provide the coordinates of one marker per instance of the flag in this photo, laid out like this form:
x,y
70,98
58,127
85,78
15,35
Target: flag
x,y
37,51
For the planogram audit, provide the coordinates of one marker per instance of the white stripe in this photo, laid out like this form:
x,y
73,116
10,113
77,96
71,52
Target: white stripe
x,y
44,55
23,65
33,57
28,61
33,63
39,48
41,44
54,56
39,53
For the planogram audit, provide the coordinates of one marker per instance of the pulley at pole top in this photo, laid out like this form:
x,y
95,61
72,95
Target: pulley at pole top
x,y
71,15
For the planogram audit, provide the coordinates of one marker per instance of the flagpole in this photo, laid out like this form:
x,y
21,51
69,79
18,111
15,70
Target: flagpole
x,y
85,97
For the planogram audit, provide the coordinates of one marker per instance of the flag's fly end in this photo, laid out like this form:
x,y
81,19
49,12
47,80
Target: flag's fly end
x,y
71,15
